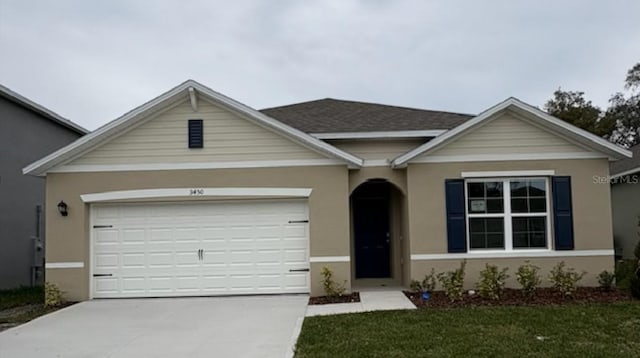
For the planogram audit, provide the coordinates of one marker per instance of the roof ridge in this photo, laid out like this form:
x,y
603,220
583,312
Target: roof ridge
x,y
371,104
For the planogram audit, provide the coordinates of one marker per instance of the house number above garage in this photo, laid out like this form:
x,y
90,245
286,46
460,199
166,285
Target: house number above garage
x,y
196,192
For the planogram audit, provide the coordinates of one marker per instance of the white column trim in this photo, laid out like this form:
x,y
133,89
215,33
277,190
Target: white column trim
x,y
63,265
512,254
330,259
194,192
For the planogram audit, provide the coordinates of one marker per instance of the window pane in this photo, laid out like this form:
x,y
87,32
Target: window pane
x,y
520,240
486,233
518,188
495,241
529,232
478,241
495,206
476,190
519,206
538,205
494,189
537,188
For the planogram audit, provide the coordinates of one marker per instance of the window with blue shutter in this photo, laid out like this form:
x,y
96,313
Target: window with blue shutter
x,y
562,213
456,223
195,133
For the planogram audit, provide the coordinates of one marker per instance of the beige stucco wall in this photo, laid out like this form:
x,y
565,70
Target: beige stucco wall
x,y
625,201
591,265
68,237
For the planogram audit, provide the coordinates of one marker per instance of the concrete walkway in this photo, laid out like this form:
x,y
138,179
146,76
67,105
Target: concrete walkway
x,y
373,300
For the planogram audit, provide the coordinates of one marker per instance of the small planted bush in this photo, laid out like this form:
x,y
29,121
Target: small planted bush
x,y
53,296
492,281
331,288
429,281
453,281
606,280
529,279
565,280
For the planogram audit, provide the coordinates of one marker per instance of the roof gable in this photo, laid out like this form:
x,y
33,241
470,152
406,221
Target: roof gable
x,y
534,116
182,92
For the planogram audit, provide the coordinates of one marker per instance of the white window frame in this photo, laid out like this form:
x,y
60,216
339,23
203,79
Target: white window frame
x,y
507,215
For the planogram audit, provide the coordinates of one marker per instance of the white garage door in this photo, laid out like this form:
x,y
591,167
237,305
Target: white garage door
x,y
197,249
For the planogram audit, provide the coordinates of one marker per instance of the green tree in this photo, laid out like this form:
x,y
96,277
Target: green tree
x,y
624,111
572,107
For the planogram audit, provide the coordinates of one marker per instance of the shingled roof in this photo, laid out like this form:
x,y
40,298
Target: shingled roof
x,y
332,115
629,164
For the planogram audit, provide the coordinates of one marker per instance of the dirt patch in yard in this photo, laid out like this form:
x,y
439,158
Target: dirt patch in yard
x,y
323,300
512,297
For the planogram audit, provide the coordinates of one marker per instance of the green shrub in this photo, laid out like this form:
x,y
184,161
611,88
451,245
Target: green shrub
x,y
624,272
528,277
453,282
331,288
416,286
634,285
565,281
429,281
606,279
53,296
492,281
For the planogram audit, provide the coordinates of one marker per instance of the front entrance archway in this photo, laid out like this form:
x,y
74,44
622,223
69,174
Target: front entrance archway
x,y
372,229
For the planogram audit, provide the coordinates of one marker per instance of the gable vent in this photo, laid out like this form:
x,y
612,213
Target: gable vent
x,y
196,134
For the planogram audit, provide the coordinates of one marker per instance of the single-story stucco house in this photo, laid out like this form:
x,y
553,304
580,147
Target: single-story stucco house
x,y
625,202
194,193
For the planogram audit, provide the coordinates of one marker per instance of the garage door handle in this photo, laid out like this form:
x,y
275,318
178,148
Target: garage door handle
x,y
299,270
102,274
101,226
298,221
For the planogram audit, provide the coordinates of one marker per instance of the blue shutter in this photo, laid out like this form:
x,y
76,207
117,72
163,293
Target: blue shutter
x,y
562,213
456,223
195,133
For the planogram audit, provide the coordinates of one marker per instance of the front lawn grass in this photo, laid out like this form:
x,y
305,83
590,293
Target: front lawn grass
x,y
21,297
598,330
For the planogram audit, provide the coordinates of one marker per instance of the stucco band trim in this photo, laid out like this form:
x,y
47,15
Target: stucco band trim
x,y
526,254
194,192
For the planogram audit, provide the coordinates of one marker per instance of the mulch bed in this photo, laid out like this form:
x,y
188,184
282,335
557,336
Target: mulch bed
x,y
513,297
323,300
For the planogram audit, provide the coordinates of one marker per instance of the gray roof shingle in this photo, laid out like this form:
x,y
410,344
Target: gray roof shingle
x,y
332,115
625,165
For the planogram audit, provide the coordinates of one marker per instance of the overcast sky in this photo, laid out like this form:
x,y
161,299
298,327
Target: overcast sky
x,y
92,61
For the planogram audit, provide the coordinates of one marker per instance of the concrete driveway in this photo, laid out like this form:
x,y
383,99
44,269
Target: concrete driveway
x,y
248,326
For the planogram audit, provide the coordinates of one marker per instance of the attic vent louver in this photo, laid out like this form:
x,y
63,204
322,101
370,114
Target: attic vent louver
x,y
196,134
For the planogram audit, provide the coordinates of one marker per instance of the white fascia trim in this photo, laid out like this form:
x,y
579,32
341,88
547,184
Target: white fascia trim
x,y
63,265
505,157
380,134
194,193
42,110
376,163
512,254
196,165
437,142
631,171
129,119
510,173
329,259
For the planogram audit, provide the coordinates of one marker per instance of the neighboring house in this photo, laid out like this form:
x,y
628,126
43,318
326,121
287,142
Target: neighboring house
x,y
28,131
194,193
625,203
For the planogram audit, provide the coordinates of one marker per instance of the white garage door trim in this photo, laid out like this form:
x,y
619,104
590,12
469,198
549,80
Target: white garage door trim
x,y
194,192
146,205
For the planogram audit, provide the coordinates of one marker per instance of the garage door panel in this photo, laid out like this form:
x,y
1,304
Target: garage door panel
x,y
152,250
